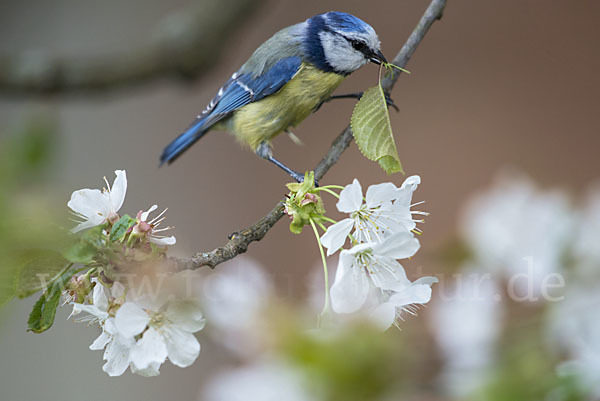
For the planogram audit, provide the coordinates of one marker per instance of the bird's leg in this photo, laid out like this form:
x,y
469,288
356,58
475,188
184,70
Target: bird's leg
x,y
264,151
358,95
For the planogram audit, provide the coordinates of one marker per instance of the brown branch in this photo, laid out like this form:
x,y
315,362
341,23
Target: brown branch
x,y
187,44
239,241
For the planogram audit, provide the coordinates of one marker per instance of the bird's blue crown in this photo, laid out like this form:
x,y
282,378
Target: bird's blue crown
x,y
339,21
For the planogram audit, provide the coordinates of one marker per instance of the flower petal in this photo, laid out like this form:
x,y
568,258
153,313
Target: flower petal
x,y
117,356
186,315
414,294
350,198
131,320
162,240
427,280
388,274
381,193
91,309
86,224
99,297
182,346
149,350
101,341
90,203
383,316
399,245
118,190
336,235
144,215
351,286
404,194
150,371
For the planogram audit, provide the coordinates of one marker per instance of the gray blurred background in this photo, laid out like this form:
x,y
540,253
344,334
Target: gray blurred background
x,y
494,84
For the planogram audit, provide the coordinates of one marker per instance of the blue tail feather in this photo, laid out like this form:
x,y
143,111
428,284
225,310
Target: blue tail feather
x,y
182,142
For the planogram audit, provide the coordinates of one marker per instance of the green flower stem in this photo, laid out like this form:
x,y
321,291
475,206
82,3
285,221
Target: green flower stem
x,y
329,220
354,242
332,187
329,191
322,226
327,306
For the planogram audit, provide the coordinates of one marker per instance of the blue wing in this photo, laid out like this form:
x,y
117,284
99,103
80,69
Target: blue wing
x,y
240,90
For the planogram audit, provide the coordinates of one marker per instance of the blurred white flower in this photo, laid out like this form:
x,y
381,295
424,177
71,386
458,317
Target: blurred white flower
x,y
386,210
233,299
117,345
266,380
586,249
576,328
519,231
166,330
150,227
96,207
466,322
372,263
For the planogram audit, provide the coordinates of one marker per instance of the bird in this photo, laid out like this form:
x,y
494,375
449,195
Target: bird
x,y
287,78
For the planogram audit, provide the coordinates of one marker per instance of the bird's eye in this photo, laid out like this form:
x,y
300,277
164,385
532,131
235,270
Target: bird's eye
x,y
358,45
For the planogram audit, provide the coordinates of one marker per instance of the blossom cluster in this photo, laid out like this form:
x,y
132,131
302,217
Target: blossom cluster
x,y
381,228
138,331
142,333
117,265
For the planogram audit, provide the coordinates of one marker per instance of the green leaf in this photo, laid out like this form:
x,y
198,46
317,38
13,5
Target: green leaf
x,y
40,267
304,187
81,252
8,273
119,230
373,131
35,317
42,315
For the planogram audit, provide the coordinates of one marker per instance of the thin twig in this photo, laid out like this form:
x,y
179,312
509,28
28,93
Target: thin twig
x,y
186,44
239,241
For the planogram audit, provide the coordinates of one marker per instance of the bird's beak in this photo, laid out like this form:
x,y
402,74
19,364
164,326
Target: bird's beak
x,y
377,57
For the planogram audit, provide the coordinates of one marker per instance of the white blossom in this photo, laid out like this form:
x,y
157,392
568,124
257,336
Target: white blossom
x,y
234,298
390,307
99,311
466,321
266,380
150,227
576,328
586,249
118,348
165,330
367,264
519,231
385,211
95,207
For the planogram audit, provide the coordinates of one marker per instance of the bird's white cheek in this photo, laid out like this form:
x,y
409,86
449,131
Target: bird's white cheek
x,y
345,61
340,55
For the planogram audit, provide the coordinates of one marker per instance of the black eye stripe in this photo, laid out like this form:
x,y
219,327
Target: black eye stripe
x,y
358,45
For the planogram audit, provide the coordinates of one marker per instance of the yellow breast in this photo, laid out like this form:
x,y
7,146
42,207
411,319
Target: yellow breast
x,y
263,120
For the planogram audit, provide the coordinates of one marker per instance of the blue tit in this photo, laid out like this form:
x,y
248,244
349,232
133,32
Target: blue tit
x,y
287,78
